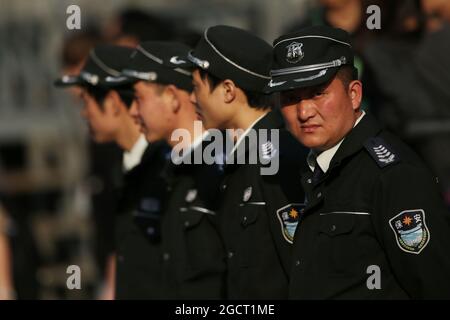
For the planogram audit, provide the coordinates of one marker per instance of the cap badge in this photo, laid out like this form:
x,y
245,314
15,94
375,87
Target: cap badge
x,y
294,52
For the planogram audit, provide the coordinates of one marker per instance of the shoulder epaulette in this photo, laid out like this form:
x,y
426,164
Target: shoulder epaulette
x,y
381,152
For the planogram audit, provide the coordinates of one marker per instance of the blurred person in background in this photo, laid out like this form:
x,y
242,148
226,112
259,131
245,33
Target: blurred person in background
x,y
106,101
131,26
437,14
351,16
7,291
434,57
104,162
408,83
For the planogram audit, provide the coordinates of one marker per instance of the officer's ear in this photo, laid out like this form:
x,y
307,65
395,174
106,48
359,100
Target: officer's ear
x,y
229,90
113,103
171,96
355,93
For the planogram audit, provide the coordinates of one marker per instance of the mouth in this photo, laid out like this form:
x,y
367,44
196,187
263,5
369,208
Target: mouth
x,y
142,128
309,128
140,123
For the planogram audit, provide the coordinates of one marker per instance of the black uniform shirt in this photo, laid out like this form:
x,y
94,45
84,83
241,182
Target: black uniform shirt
x,y
138,271
259,213
193,255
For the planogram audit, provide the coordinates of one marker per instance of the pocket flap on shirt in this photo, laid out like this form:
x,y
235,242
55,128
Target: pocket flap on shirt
x,y
249,214
334,224
191,218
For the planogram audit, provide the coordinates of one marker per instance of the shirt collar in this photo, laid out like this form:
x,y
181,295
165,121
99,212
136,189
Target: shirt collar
x,y
133,157
325,157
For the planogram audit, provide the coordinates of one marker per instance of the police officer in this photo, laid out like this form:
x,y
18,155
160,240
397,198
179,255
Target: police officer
x,y
193,258
374,225
139,190
259,209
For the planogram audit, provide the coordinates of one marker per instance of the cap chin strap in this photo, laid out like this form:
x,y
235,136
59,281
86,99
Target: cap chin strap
x,y
69,79
146,76
204,64
115,79
89,78
312,67
315,76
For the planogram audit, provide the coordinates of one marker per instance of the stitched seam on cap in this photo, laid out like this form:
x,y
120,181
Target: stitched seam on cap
x,y
322,37
182,71
149,55
103,66
230,61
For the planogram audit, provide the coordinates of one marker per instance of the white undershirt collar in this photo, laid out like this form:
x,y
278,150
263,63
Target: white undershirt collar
x,y
325,157
133,157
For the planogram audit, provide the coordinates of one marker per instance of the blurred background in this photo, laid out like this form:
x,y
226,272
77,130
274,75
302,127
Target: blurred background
x,y
57,198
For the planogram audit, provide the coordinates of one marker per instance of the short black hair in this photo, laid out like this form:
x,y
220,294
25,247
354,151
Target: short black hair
x,y
347,74
257,100
126,94
99,94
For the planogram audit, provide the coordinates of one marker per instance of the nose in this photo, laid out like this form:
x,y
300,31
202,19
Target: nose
x,y
305,110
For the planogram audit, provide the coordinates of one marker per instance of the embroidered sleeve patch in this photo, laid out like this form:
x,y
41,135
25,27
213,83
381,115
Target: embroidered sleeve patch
x,y
289,217
411,231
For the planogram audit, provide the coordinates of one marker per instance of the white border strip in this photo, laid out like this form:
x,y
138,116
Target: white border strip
x,y
347,212
321,37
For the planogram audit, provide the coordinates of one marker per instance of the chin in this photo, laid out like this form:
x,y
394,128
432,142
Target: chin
x,y
208,125
97,139
100,139
311,143
151,138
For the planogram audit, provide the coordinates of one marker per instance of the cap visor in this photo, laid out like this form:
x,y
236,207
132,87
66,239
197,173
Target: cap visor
x,y
67,81
111,82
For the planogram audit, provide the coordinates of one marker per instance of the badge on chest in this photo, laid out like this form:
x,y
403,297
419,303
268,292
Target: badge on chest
x,y
289,217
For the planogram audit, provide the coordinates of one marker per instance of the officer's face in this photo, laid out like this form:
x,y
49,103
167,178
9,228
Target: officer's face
x,y
101,120
209,103
153,111
321,116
